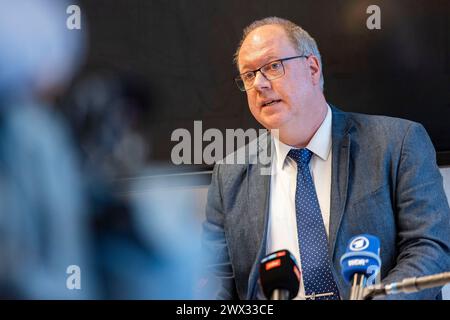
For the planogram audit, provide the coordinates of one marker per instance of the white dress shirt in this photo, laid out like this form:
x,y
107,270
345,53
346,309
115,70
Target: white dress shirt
x,y
282,227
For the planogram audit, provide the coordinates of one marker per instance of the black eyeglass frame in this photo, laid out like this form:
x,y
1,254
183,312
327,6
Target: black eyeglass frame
x,y
238,79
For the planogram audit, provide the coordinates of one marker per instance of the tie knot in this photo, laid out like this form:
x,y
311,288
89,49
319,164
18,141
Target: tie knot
x,y
301,156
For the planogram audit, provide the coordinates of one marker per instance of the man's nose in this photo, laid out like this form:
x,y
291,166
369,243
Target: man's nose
x,y
261,82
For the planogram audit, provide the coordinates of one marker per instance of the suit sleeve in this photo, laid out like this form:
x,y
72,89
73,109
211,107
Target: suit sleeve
x,y
219,269
423,219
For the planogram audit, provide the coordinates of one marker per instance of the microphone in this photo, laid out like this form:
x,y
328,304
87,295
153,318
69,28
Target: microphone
x,y
360,261
408,285
279,276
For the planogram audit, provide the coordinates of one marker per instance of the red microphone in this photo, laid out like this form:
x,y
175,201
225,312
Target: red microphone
x,y
279,276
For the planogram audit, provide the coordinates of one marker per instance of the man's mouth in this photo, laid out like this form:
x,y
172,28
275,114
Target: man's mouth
x,y
270,103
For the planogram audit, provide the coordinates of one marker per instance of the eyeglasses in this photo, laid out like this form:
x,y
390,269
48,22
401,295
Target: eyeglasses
x,y
270,71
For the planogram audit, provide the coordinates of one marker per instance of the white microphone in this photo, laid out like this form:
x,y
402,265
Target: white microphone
x,y
408,285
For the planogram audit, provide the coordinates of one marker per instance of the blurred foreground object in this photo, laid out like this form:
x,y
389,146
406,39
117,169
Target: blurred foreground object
x,y
146,242
42,209
58,206
38,53
108,112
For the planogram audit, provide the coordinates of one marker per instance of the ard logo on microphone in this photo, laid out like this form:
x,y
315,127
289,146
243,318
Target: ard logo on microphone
x,y
359,244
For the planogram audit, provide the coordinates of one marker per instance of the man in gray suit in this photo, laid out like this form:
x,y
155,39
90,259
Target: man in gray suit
x,y
365,174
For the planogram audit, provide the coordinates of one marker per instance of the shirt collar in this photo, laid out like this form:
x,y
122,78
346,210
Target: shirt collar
x,y
320,143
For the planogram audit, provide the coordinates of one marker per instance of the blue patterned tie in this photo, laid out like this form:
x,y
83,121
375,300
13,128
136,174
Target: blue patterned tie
x,y
312,238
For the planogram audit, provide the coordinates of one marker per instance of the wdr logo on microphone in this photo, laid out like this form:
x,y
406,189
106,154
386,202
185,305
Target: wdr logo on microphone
x,y
358,262
359,244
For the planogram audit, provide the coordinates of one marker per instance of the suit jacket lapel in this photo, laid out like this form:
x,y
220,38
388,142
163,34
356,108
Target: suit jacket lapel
x,y
258,178
341,126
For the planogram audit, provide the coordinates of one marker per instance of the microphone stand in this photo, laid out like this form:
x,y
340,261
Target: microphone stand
x,y
408,285
358,285
280,294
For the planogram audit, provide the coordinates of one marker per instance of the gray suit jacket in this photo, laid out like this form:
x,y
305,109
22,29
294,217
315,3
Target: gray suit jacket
x,y
385,182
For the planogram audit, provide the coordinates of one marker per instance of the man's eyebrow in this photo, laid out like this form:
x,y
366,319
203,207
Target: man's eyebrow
x,y
267,60
272,58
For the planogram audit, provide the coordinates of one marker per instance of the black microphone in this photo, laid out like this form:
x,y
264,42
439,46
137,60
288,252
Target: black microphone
x,y
408,285
279,276
361,260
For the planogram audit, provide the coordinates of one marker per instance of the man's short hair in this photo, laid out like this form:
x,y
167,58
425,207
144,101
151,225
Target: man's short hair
x,y
300,39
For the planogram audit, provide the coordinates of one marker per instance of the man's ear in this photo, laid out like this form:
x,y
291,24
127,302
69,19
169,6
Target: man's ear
x,y
315,69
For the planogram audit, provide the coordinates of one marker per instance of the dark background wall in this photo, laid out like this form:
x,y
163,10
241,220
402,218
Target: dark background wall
x,y
183,50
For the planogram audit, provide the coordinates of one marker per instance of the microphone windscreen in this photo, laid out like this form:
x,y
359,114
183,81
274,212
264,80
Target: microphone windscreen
x,y
362,256
279,270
